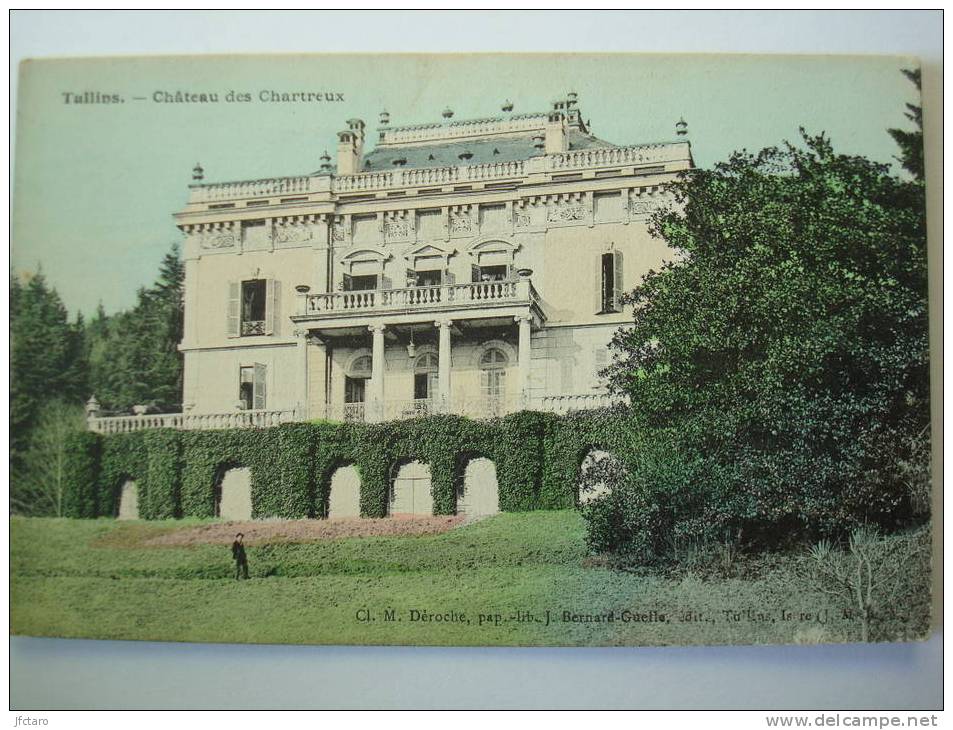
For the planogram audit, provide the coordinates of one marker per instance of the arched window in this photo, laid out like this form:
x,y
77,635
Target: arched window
x,y
355,383
493,364
426,362
361,367
426,374
494,357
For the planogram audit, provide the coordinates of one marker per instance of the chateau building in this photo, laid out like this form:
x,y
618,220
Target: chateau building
x,y
463,266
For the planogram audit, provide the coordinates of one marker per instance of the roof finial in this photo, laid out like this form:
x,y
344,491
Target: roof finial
x,y
385,118
198,174
507,106
681,127
325,162
447,113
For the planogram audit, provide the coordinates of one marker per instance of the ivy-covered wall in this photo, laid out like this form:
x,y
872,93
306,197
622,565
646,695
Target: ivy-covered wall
x,y
537,458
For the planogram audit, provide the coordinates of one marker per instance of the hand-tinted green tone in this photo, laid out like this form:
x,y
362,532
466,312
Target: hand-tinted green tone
x,y
96,579
96,184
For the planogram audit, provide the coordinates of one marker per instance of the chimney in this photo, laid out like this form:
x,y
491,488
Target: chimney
x,y
556,138
351,148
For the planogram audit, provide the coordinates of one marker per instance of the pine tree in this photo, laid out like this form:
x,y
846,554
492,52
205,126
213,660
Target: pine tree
x,y
911,143
44,359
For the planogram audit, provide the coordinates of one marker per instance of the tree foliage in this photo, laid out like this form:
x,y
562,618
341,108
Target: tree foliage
x,y
782,358
41,487
46,358
125,359
133,355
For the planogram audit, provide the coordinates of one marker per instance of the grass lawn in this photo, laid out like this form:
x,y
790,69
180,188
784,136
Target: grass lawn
x,y
491,582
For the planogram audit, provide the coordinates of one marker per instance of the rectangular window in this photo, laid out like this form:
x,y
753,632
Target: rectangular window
x,y
429,278
354,389
425,386
253,307
608,284
491,273
360,283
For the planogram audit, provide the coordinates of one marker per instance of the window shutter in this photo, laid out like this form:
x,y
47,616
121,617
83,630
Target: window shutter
x,y
384,282
598,287
448,277
411,277
347,283
617,287
233,310
474,273
272,307
260,395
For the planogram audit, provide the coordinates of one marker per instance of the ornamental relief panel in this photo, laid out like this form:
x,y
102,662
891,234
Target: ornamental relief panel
x,y
292,234
337,232
646,205
210,240
396,229
567,213
460,223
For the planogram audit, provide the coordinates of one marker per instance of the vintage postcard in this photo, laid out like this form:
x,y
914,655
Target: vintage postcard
x,y
470,350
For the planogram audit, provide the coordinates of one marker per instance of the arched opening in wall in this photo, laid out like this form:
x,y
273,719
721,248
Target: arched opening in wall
x,y
597,471
478,492
127,507
410,493
344,498
232,493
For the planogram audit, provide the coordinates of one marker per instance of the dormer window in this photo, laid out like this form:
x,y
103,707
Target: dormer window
x,y
465,155
399,162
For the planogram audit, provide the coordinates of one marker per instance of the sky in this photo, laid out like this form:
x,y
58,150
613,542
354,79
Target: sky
x,y
95,185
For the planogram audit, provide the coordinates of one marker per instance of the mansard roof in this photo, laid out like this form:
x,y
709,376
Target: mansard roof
x,y
480,151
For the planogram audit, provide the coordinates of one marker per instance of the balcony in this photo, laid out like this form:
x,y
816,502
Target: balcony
x,y
482,296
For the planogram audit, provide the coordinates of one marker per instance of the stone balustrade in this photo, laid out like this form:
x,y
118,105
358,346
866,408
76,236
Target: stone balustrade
x,y
301,185
417,133
191,421
438,176
582,402
446,296
610,156
479,408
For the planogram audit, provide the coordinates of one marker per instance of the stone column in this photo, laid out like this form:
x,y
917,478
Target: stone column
x,y
443,360
524,321
376,404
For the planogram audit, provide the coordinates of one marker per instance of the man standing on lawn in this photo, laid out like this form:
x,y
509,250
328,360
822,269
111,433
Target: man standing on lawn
x,y
241,560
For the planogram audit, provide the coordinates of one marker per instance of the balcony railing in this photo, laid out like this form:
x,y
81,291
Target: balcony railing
x,y
192,421
446,296
483,407
253,327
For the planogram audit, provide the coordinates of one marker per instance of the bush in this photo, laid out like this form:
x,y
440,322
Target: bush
x,y
880,581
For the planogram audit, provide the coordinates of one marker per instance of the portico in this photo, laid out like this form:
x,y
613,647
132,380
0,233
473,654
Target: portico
x,y
433,354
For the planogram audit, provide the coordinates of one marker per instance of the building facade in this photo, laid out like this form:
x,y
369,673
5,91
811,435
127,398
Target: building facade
x,y
464,266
